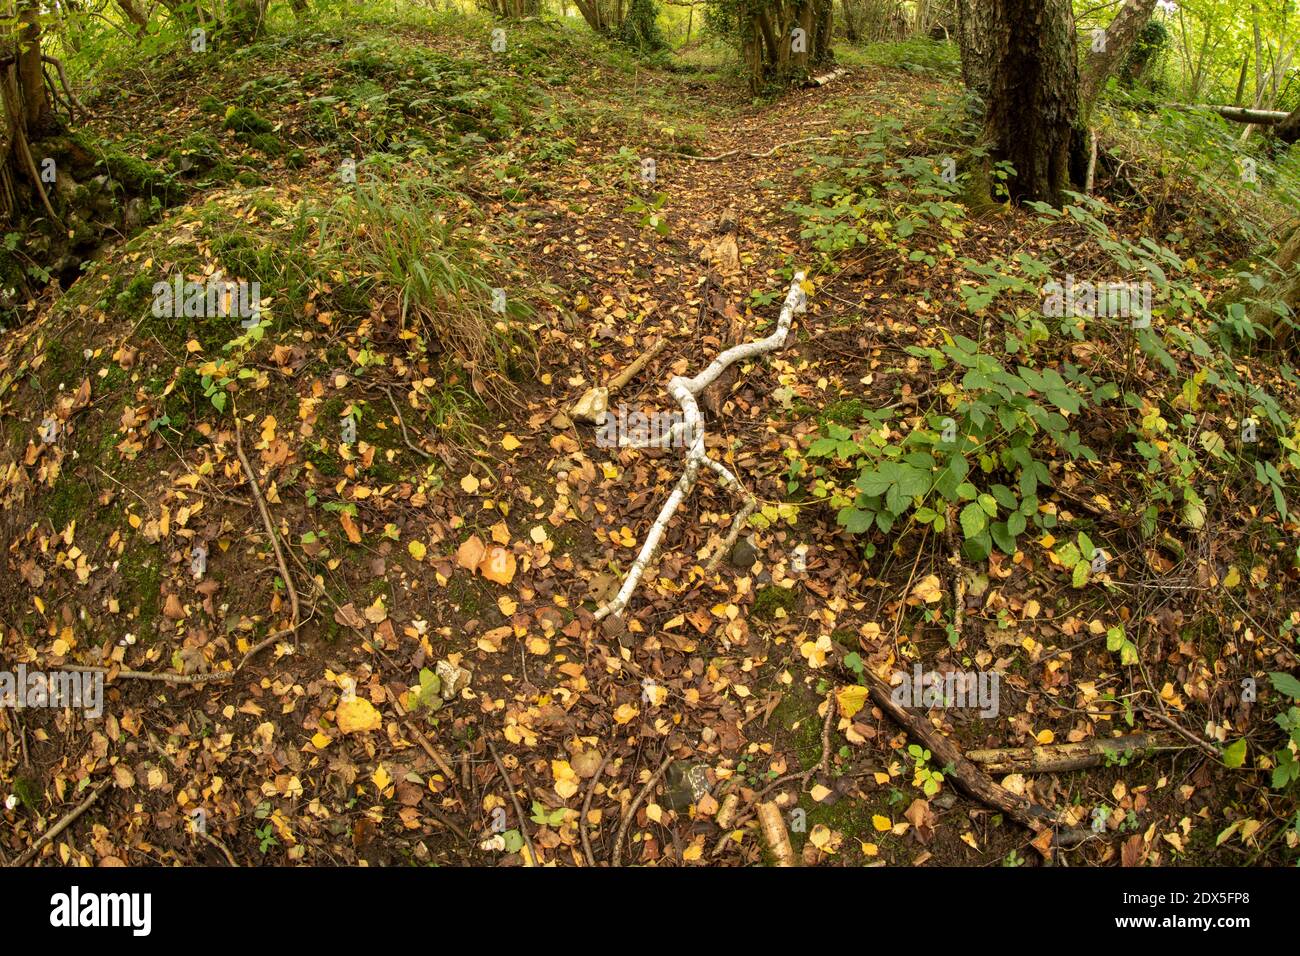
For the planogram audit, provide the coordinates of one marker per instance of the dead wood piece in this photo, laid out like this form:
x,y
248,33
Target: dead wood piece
x,y
968,775
1054,758
519,810
269,525
775,835
586,806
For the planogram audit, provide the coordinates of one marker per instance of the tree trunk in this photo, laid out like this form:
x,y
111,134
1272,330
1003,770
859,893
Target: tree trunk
x,y
28,115
1288,131
974,31
1286,290
31,81
1120,37
137,17
1033,113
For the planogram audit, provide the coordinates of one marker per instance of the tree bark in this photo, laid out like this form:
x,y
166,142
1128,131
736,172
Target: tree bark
x,y
1285,290
974,30
1033,113
31,81
137,17
1120,37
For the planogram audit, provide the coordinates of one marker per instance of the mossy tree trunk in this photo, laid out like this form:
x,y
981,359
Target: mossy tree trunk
x,y
28,112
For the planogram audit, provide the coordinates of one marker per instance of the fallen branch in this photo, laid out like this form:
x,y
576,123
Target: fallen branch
x,y
823,764
617,858
225,850
519,810
270,527
586,807
825,78
1237,114
595,400
685,390
737,525
63,824
970,777
420,738
1201,744
402,422
1054,758
168,677
640,362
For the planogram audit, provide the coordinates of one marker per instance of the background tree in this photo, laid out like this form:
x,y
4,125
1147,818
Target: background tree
x,y
1119,38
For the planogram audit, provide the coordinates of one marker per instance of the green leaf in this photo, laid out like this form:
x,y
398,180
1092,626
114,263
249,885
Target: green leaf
x,y
1115,638
1285,683
1235,755
973,520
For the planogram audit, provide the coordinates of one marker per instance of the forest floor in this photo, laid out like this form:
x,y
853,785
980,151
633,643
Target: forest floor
x,y
483,535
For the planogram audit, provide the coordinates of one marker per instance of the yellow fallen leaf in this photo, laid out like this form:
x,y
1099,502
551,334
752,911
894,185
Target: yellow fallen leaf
x,y
928,590
357,716
510,442
469,484
417,550
851,700
882,824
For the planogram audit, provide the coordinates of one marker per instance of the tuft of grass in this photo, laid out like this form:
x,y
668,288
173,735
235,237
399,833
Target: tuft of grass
x,y
415,236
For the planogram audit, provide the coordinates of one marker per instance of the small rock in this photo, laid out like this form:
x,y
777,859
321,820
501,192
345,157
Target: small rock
x,y
743,554
454,679
687,783
593,404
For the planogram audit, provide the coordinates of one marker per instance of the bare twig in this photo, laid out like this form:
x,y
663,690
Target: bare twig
x,y
586,806
691,428
635,805
266,521
519,810
63,824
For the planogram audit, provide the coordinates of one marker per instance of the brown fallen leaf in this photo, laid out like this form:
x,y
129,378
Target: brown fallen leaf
x,y
498,565
470,554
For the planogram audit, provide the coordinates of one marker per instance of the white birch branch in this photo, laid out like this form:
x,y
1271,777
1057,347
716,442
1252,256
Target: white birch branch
x,y
685,390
